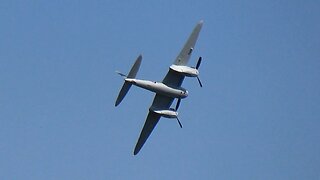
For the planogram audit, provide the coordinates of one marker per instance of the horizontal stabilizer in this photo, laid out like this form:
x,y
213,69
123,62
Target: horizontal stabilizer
x,y
135,68
126,86
124,90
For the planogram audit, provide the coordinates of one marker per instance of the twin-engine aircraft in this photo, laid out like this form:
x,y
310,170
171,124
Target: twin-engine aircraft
x,y
167,90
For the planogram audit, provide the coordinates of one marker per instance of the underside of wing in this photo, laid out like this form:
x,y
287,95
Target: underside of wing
x,y
187,49
159,102
151,122
173,78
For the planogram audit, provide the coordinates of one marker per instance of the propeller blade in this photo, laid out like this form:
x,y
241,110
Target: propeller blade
x,y
179,122
199,81
178,104
199,62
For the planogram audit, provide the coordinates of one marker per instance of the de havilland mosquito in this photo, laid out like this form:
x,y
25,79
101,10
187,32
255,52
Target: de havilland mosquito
x,y
167,90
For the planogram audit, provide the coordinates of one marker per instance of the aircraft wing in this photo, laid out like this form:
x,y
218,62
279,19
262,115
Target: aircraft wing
x,y
187,49
173,78
159,102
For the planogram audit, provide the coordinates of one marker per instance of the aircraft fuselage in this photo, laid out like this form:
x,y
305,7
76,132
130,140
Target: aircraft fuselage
x,y
159,87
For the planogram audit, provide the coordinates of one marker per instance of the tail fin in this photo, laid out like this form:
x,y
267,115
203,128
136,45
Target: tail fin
x,y
126,86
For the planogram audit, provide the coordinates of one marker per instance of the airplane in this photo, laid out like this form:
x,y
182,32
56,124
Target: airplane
x,y
166,91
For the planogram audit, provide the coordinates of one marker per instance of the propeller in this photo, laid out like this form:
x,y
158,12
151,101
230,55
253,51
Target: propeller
x,y
179,122
199,62
177,106
199,81
197,67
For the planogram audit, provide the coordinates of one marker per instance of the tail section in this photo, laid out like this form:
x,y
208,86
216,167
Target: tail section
x,y
135,68
126,86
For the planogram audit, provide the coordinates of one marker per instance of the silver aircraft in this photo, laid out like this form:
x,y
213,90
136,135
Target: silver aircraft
x,y
167,90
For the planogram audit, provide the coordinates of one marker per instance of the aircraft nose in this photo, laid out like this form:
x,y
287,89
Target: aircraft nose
x,y
186,93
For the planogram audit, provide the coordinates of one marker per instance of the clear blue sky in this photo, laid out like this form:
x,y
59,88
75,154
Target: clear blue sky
x,y
257,116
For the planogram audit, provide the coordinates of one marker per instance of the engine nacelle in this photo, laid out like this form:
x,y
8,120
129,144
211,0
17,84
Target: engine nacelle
x,y
185,70
168,113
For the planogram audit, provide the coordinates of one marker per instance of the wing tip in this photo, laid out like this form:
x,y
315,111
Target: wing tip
x,y
136,150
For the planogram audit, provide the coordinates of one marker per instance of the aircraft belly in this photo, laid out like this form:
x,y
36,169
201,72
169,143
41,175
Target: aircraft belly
x,y
167,91
160,88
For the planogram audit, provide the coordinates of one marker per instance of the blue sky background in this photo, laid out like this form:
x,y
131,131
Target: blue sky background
x,y
257,116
